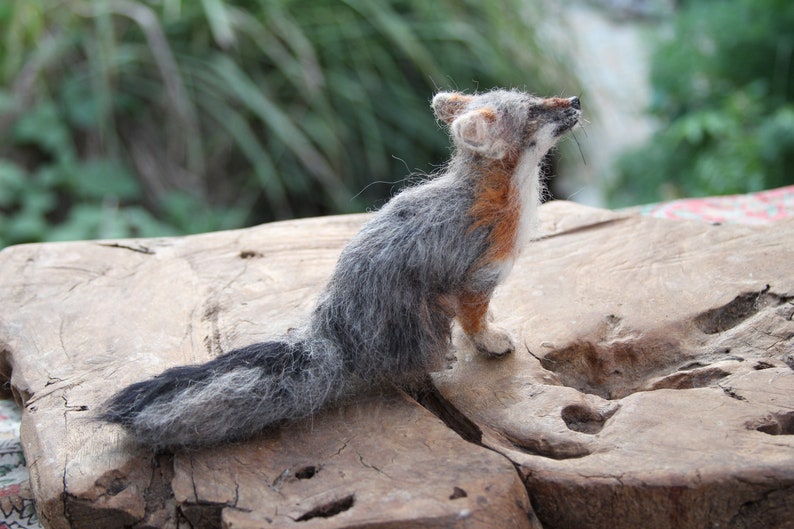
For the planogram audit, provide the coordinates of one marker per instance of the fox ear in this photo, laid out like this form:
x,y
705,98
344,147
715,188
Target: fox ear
x,y
477,131
449,105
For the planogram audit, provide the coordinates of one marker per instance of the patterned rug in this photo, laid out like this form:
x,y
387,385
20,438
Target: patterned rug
x,y
761,208
17,509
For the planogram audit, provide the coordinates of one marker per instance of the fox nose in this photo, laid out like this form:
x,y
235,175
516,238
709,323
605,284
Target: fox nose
x,y
575,102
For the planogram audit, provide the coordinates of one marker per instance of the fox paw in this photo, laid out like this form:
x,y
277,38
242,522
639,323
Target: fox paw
x,y
493,342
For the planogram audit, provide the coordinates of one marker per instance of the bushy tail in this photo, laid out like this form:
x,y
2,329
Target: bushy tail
x,y
232,396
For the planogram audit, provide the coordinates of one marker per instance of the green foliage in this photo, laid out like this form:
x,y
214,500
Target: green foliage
x,y
158,117
724,95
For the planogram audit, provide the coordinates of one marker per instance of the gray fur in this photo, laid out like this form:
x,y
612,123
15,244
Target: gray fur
x,y
387,311
231,396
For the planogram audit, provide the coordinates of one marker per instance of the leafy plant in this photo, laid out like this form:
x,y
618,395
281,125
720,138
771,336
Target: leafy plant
x,y
724,95
139,118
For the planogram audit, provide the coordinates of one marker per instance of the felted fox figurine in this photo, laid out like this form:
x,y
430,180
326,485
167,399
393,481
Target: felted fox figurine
x,y
433,253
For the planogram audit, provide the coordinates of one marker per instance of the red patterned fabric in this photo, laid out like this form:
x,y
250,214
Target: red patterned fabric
x,y
760,208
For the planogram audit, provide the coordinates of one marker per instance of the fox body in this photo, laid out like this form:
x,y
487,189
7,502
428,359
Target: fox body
x,y
433,253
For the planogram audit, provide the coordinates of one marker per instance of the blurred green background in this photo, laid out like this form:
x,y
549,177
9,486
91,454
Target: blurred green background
x,y
147,118
722,81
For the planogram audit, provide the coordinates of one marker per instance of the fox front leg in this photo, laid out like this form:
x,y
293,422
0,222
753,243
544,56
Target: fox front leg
x,y
473,316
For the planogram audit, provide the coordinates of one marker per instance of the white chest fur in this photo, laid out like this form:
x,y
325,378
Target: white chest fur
x,y
527,185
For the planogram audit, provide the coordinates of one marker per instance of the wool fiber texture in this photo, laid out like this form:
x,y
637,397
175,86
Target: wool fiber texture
x,y
387,312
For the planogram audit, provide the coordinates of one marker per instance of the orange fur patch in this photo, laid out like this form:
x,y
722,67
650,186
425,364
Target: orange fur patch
x,y
496,206
556,102
460,99
472,311
488,113
453,106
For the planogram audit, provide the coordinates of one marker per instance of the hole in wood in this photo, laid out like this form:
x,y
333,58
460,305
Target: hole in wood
x,y
306,472
741,308
457,493
327,510
612,369
776,424
583,419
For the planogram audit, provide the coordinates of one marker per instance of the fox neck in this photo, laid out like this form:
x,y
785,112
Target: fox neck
x,y
506,201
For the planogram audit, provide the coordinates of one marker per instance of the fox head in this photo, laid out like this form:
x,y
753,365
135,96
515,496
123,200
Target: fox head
x,y
504,123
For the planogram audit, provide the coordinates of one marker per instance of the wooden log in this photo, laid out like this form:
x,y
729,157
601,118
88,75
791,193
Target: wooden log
x,y
81,320
653,385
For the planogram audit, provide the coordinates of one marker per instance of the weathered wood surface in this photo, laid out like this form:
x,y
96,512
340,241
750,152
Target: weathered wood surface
x,y
653,386
80,320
